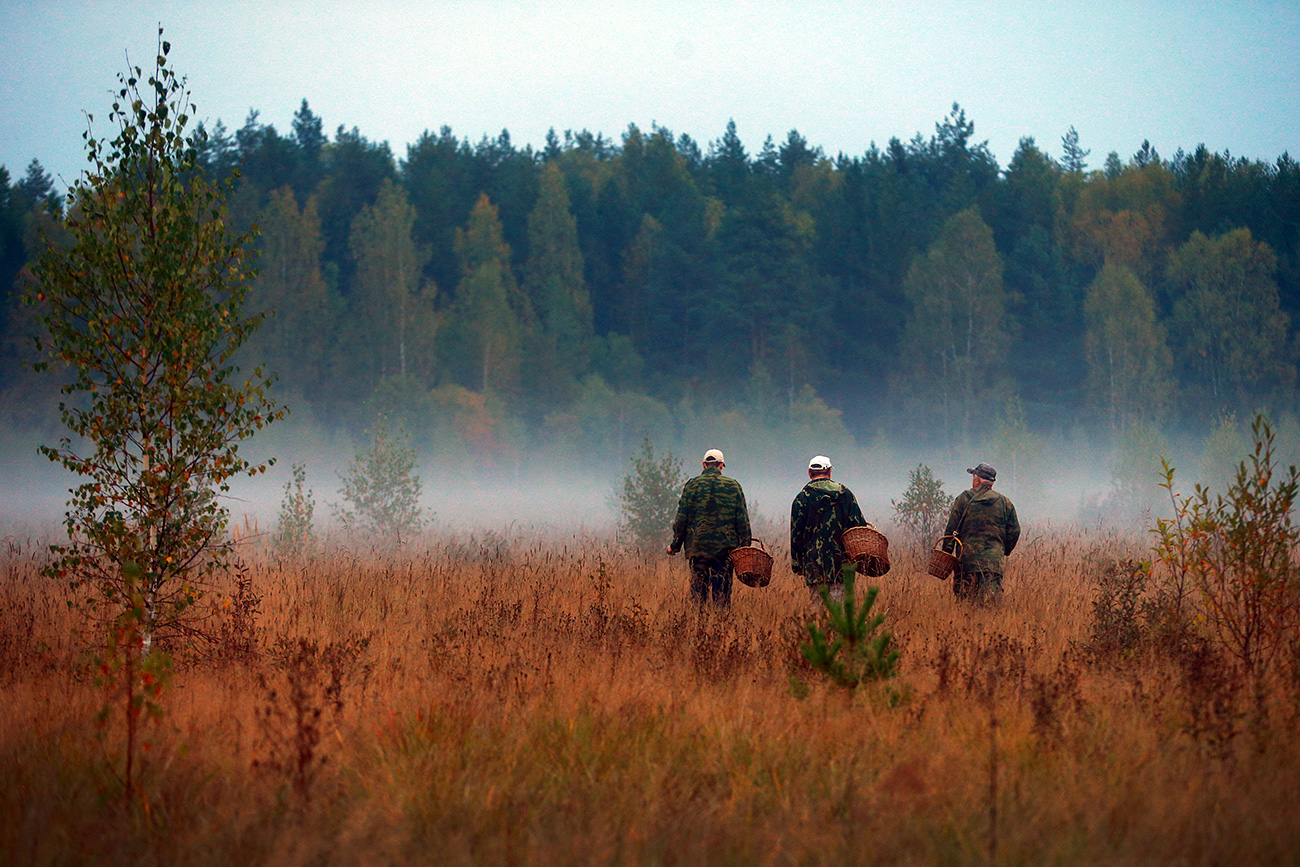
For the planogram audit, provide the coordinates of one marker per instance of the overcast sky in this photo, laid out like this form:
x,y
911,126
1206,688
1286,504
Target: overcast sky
x,y
1225,74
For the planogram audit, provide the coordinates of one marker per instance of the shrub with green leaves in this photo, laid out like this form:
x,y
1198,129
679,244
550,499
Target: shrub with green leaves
x,y
923,511
1237,553
382,489
1121,620
648,500
294,533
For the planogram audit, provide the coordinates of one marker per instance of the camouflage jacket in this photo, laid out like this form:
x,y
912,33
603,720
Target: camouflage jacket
x,y
712,517
986,523
823,510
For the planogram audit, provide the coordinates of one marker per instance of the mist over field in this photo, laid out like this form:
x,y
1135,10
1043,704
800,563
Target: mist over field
x,y
1065,481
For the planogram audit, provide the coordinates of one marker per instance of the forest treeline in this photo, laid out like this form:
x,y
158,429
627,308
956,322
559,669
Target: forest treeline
x,y
494,298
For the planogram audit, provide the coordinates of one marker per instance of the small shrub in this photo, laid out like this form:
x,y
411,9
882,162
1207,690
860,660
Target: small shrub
x,y
648,501
294,536
237,635
291,719
1118,623
383,489
1051,696
923,511
1236,554
1210,691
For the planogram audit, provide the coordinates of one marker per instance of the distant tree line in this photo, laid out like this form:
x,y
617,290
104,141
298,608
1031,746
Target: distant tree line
x,y
491,298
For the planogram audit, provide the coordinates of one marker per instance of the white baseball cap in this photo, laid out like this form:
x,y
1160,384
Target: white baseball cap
x,y
714,456
819,462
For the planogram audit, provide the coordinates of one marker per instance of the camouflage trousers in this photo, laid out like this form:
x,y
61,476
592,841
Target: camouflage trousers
x,y
711,581
982,588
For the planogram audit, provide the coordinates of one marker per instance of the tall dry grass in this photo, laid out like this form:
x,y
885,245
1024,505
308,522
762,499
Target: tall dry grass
x,y
493,700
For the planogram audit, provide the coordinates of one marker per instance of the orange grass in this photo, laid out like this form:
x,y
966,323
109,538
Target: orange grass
x,y
561,702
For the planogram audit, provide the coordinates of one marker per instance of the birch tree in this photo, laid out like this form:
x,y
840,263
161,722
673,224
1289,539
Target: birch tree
x,y
387,286
1128,356
957,331
142,310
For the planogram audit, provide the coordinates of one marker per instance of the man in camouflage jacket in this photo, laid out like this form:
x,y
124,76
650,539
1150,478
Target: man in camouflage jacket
x,y
820,513
986,523
712,520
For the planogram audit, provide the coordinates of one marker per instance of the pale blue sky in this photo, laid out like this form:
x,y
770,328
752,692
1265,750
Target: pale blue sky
x,y
844,74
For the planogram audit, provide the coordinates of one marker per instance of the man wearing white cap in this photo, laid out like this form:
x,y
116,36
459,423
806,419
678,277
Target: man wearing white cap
x,y
712,521
823,510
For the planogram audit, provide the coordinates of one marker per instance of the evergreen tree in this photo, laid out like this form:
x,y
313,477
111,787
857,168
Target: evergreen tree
x,y
442,184
1073,157
218,154
960,173
794,155
309,136
355,170
766,284
614,224
491,317
659,185
644,265
37,189
1045,296
509,178
267,160
851,628
12,255
728,165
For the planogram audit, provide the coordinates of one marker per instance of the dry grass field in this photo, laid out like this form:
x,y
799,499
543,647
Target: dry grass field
x,y
485,700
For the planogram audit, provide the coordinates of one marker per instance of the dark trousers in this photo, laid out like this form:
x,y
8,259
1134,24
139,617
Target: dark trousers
x,y
711,581
984,588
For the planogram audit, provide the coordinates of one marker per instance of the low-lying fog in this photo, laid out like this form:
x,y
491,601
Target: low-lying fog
x,y
1062,482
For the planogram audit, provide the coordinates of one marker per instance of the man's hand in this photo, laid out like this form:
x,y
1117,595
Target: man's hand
x,y
671,552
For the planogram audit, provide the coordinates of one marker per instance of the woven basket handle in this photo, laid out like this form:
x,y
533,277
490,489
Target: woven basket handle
x,y
938,546
759,543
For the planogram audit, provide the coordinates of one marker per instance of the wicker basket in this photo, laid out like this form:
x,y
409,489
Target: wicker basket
x,y
943,562
868,549
753,564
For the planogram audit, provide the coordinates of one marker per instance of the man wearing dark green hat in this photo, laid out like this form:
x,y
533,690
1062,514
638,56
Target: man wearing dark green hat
x,y
985,522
